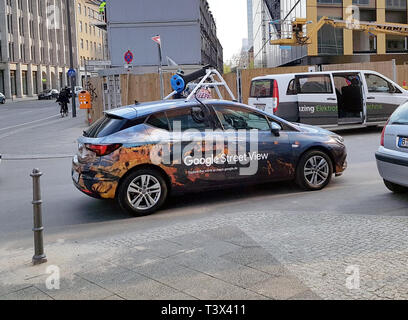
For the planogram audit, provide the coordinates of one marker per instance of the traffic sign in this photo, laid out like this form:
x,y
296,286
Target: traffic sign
x,y
71,73
128,57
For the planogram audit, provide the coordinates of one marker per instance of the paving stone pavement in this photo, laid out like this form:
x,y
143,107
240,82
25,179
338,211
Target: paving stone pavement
x,y
258,255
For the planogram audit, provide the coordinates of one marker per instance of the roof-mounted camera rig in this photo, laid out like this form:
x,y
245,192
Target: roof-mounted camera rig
x,y
180,81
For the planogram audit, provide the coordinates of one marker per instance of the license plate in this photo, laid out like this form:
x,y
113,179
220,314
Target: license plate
x,y
75,176
403,142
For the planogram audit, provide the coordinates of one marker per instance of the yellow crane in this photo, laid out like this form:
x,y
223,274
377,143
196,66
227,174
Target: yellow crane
x,y
301,38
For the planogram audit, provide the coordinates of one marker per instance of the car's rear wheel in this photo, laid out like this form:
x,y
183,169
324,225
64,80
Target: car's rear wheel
x,y
314,171
142,192
396,188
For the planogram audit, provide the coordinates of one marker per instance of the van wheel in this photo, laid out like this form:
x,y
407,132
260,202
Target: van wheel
x,y
396,188
314,170
142,192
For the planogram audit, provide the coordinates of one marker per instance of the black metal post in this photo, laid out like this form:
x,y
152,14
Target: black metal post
x,y
71,58
39,255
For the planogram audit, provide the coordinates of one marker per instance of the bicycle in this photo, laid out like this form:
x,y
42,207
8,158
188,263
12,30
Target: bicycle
x,y
63,109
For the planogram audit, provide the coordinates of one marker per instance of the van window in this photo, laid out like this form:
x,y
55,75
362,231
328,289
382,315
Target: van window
x,y
291,88
377,84
314,84
261,88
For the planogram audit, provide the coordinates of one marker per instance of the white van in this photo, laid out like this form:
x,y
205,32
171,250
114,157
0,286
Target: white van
x,y
332,98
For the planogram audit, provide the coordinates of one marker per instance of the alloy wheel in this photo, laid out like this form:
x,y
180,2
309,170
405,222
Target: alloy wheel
x,y
144,192
316,171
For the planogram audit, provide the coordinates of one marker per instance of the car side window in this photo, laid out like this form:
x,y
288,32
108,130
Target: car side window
x,y
158,120
187,118
237,118
377,84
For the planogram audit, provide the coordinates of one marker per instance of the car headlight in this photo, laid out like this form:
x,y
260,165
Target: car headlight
x,y
338,139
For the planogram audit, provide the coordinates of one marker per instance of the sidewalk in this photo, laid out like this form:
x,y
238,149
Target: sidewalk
x,y
221,263
25,99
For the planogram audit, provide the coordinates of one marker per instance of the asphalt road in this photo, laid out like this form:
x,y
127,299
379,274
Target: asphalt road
x,y
33,136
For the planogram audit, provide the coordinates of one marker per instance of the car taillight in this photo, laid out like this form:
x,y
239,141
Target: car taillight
x,y
103,149
383,134
275,97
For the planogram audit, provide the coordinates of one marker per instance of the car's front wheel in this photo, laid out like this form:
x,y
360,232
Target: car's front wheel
x,y
314,170
142,192
396,188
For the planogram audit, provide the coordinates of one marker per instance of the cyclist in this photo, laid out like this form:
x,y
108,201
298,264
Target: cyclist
x,y
63,100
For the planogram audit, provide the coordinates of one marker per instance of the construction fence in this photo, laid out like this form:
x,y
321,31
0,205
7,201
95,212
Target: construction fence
x,y
126,89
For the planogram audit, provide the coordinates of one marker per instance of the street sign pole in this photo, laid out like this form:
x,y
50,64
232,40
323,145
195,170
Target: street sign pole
x,y
71,58
161,73
157,39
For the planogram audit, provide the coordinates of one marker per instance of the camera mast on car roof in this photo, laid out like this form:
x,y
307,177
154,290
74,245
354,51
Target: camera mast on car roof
x,y
180,81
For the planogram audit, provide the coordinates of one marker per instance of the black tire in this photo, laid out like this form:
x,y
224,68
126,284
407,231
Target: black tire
x,y
396,188
122,194
301,179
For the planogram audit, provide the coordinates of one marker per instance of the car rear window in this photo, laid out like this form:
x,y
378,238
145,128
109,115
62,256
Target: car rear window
x,y
109,125
261,88
400,116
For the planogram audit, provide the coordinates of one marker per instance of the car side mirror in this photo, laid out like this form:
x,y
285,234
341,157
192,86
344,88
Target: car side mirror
x,y
275,129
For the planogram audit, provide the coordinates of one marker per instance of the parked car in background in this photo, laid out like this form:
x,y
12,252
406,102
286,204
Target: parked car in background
x,y
2,98
392,156
48,94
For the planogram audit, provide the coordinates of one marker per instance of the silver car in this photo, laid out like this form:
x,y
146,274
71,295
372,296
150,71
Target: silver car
x,y
392,156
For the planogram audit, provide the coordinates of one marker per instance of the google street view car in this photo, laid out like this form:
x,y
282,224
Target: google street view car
x,y
140,154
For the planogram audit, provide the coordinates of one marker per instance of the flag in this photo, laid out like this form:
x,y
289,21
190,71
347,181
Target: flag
x,y
157,40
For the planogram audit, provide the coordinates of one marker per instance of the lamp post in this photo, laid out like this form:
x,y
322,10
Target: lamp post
x,y
71,59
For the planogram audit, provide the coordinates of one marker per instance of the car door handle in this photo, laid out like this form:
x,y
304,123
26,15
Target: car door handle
x,y
332,99
370,98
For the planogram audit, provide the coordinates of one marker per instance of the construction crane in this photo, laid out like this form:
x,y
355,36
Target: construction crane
x,y
301,38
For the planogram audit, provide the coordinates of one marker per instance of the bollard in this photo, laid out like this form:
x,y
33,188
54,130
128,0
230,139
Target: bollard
x,y
39,256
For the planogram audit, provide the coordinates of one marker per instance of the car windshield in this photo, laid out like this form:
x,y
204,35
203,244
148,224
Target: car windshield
x,y
400,116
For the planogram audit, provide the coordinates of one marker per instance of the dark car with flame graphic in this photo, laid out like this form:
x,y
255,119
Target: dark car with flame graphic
x,y
140,154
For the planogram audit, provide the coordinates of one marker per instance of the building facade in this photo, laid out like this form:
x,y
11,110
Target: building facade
x,y
92,40
333,45
187,29
34,51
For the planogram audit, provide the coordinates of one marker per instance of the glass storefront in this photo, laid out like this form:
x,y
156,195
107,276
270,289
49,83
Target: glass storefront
x,y
13,82
35,82
2,81
24,82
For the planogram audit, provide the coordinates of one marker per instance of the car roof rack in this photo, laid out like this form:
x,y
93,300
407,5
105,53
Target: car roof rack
x,y
207,73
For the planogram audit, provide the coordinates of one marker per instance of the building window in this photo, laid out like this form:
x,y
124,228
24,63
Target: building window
x,y
79,8
35,82
24,80
82,43
330,40
1,81
331,1
11,52
86,28
13,82
80,26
